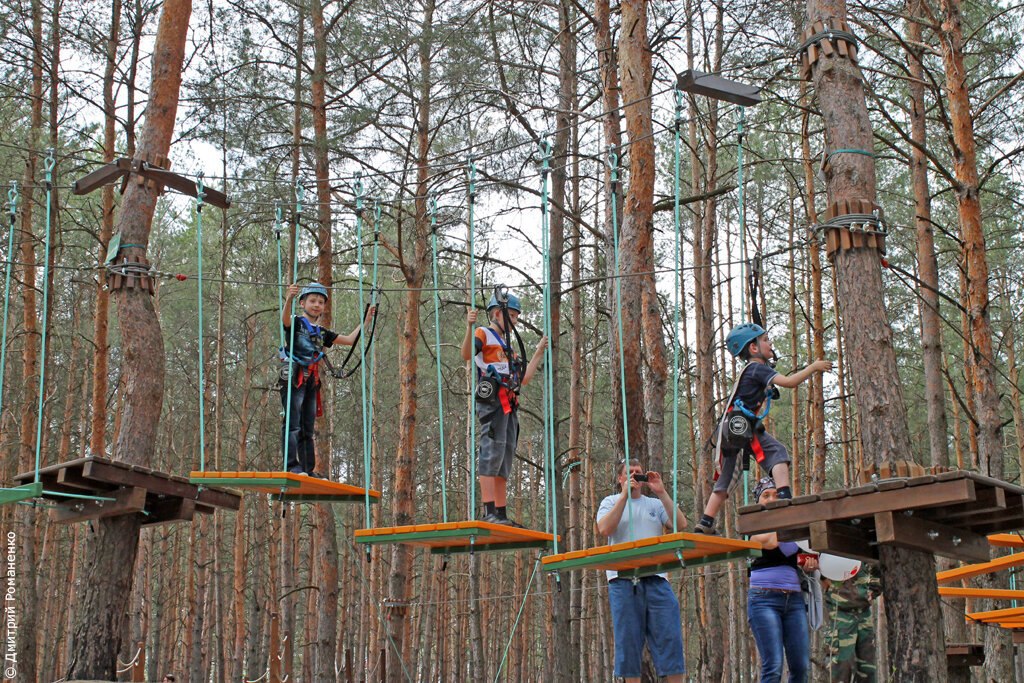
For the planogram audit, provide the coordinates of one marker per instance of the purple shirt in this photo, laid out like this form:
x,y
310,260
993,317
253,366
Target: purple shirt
x,y
782,577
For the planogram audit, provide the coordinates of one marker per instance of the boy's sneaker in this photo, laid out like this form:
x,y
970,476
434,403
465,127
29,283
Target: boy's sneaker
x,y
491,518
702,528
296,470
511,522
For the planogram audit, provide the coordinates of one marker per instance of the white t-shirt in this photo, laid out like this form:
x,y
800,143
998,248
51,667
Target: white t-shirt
x,y
644,517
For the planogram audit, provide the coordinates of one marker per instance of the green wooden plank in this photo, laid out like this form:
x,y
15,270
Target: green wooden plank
x,y
635,553
631,553
242,482
675,566
410,536
324,498
487,547
19,493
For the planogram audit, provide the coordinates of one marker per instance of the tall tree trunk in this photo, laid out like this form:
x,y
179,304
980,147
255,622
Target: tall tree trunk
x,y
927,264
916,645
107,573
998,642
405,460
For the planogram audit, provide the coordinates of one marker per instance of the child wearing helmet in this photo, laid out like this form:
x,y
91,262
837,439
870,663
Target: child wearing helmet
x,y
500,375
752,396
304,346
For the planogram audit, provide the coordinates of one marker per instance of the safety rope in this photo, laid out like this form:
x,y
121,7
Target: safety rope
x,y
613,167
359,189
300,193
677,221
432,203
12,209
200,195
743,250
519,615
550,476
471,201
48,165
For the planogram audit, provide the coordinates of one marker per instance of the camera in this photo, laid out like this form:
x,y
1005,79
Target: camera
x,y
642,478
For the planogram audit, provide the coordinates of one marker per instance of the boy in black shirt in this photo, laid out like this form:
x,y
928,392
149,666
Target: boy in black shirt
x,y
752,397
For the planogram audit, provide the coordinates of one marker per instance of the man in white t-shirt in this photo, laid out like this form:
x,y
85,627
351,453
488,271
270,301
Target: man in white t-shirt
x,y
643,610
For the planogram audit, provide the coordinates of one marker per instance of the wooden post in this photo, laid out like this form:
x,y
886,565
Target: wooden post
x,y
139,667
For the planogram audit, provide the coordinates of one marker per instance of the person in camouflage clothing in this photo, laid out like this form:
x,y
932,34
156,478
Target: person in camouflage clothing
x,y
851,639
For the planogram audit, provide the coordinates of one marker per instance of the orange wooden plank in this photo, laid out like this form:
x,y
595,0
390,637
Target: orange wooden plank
x,y
497,533
1006,540
996,614
973,570
990,593
705,546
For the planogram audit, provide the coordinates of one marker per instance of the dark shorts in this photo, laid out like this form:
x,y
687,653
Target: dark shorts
x,y
767,451
651,615
499,435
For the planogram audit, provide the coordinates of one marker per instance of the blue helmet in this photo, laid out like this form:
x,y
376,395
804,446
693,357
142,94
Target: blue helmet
x,y
740,337
512,303
313,288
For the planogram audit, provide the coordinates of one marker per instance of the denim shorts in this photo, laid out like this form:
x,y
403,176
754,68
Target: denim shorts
x,y
650,614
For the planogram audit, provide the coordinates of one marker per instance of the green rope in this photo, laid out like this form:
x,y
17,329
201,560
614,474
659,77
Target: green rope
x,y
743,249
613,166
550,475
200,195
48,165
471,202
515,625
12,209
678,255
851,150
278,216
358,190
437,351
300,193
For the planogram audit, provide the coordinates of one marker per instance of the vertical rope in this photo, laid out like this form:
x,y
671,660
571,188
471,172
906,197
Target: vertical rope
x,y
200,195
471,201
49,164
12,209
437,352
743,254
613,166
550,474
358,191
678,256
300,193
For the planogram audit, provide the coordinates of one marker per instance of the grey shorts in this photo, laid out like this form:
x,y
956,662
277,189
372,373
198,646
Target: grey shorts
x,y
767,451
499,434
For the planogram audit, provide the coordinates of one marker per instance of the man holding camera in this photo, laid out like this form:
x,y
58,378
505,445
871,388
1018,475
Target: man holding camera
x,y
644,610
500,374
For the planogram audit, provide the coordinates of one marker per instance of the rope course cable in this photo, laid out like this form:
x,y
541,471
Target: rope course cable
x,y
200,195
470,230
48,165
12,211
550,478
432,208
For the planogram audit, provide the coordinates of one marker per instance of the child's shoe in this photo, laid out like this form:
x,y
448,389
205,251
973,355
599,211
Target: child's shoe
x,y
704,528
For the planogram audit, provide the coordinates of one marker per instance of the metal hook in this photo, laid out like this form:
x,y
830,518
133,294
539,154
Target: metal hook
x,y
376,215
12,198
358,186
50,161
300,194
200,191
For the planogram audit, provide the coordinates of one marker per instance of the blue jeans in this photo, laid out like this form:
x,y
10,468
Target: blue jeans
x,y
298,442
779,623
650,614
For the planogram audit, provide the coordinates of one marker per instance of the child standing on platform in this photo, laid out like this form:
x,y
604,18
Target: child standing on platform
x,y
752,397
500,375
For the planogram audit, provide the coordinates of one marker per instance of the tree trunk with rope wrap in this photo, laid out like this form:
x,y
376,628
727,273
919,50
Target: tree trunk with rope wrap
x,y
107,571
916,646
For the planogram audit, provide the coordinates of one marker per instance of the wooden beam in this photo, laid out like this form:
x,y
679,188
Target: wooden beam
x,y
965,655
1018,637
127,501
170,510
970,571
996,614
941,493
843,539
989,500
104,175
930,537
990,593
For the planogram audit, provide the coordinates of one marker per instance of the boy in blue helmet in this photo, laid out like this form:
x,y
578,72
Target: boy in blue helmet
x,y
306,345
752,396
500,375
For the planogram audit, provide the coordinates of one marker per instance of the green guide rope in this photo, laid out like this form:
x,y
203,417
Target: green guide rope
x,y
437,353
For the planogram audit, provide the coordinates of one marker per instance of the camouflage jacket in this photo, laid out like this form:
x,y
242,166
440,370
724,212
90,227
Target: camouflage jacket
x,y
857,593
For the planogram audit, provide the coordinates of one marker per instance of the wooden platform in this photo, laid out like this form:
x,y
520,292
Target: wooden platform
x,y
964,655
296,488
17,494
946,514
655,555
93,488
458,537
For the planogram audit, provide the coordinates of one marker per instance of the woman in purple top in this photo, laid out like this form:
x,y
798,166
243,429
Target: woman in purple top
x,y
775,603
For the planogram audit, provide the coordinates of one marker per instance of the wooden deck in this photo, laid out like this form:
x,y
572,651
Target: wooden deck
x,y
948,514
456,537
93,488
289,487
